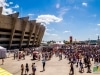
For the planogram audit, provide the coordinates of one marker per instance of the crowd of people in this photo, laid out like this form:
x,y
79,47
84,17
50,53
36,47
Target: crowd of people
x,y
79,56
82,55
44,56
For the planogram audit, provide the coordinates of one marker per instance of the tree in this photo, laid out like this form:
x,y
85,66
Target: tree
x,y
48,42
64,41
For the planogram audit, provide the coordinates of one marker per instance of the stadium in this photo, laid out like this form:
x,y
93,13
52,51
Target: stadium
x,y
19,32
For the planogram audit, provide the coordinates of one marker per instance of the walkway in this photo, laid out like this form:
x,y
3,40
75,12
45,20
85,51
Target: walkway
x,y
53,67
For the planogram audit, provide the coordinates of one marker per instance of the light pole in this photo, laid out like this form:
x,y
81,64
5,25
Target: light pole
x,y
88,41
98,40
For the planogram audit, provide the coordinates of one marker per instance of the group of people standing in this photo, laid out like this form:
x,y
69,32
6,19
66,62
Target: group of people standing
x,y
26,68
81,63
19,55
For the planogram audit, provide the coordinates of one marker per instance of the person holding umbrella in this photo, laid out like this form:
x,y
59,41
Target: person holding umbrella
x,y
35,54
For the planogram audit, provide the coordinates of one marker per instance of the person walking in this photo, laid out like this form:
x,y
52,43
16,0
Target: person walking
x,y
27,68
2,61
89,66
22,69
71,69
77,62
39,57
81,69
33,68
43,62
14,56
23,56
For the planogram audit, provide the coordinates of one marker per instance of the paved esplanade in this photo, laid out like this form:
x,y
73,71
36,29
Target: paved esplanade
x,y
53,67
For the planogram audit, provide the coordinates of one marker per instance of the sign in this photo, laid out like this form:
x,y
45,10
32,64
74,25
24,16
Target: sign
x,y
96,69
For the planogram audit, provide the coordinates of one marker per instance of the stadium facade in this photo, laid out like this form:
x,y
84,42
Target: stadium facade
x,y
19,32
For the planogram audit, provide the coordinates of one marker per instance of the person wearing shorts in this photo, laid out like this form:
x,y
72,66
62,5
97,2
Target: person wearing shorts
x,y
22,69
33,68
27,68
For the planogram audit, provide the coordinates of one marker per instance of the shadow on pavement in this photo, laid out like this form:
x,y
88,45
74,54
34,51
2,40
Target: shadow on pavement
x,y
27,74
33,59
1,64
42,71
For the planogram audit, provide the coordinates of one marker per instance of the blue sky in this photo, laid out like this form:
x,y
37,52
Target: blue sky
x,y
62,18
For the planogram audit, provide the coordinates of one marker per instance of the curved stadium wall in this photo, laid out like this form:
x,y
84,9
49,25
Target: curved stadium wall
x,y
19,32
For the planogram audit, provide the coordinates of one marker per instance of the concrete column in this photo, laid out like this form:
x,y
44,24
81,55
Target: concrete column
x,y
37,35
36,31
33,24
1,8
24,23
41,36
14,21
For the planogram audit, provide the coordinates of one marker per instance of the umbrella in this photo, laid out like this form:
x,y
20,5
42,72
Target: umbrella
x,y
35,52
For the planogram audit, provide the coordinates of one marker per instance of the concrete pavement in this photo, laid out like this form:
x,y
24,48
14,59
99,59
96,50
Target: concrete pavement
x,y
53,66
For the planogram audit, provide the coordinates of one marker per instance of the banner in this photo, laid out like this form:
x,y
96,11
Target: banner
x,y
96,68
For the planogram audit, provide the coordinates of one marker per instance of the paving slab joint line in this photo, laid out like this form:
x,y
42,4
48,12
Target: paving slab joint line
x,y
16,72
75,71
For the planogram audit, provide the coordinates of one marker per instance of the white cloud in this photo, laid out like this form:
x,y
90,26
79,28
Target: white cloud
x,y
57,5
97,34
63,12
43,24
47,19
48,29
50,34
98,24
30,14
52,29
6,7
46,33
3,3
14,11
10,2
54,34
16,6
76,7
84,4
66,31
7,11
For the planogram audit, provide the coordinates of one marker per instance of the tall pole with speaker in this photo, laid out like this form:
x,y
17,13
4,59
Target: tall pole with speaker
x,y
71,41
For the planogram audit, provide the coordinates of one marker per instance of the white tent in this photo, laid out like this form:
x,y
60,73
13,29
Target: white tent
x,y
60,43
2,52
